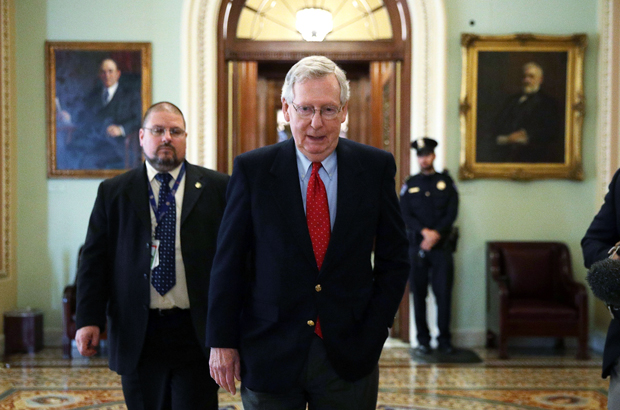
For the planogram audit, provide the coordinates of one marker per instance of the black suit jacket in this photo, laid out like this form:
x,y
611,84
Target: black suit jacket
x,y
603,233
265,313
113,276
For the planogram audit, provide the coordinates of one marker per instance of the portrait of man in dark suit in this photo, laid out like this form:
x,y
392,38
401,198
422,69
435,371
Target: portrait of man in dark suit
x,y
526,126
312,259
97,122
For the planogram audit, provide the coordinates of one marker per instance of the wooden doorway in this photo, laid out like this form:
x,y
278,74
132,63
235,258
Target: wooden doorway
x,y
250,77
256,89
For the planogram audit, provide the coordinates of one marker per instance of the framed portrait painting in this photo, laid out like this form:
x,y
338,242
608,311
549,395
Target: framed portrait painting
x,y
522,106
96,95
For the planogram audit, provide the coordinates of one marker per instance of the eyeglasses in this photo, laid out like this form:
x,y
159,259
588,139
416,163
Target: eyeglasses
x,y
161,131
329,112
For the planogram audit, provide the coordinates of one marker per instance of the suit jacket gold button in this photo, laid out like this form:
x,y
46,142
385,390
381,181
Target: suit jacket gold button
x,y
310,322
317,288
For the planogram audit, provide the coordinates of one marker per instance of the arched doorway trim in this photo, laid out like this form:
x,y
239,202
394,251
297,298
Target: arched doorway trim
x,y
428,77
243,58
427,110
199,81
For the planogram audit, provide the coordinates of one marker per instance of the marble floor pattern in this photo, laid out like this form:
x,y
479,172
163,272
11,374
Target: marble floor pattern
x,y
532,379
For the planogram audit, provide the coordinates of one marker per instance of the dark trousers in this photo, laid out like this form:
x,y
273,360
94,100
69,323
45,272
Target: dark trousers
x,y
321,388
173,371
436,266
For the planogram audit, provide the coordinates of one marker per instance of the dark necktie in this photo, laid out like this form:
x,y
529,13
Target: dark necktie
x,y
164,275
106,95
317,216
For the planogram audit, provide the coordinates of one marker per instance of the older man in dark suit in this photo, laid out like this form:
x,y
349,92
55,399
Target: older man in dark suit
x,y
312,259
145,270
528,127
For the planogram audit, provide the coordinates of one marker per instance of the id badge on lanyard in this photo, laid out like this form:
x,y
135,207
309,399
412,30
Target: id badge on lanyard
x,y
154,253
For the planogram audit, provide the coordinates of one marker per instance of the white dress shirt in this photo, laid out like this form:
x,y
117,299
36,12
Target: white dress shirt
x,y
177,296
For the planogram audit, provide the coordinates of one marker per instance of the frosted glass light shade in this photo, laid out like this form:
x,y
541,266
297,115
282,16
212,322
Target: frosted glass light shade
x,y
313,23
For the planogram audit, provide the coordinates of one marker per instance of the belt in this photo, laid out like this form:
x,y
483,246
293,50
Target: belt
x,y
167,312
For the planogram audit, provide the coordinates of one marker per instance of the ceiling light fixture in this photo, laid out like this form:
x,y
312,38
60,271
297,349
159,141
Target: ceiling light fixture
x,y
314,23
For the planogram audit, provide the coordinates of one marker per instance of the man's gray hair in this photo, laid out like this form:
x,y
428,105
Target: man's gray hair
x,y
314,67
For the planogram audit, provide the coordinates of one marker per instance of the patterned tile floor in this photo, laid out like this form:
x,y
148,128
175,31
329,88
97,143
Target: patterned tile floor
x,y
532,379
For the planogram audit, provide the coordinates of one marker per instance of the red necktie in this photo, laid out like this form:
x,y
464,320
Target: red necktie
x,y
317,215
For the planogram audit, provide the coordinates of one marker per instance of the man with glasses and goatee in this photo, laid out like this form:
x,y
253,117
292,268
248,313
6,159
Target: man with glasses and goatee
x,y
145,267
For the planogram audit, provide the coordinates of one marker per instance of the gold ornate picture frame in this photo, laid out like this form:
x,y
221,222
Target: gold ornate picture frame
x,y
97,93
522,106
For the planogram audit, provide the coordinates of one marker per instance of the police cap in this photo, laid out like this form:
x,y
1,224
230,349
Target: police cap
x,y
424,146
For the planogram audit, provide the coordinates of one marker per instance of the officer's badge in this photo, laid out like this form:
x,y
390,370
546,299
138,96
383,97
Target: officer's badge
x,y
441,185
414,189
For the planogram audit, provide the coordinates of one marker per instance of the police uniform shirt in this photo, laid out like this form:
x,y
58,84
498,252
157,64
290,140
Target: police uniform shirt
x,y
428,201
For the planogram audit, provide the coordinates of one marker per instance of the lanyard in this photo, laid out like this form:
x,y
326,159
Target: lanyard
x,y
161,210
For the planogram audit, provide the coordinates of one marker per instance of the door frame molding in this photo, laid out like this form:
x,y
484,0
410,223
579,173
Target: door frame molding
x,y
428,49
428,71
231,48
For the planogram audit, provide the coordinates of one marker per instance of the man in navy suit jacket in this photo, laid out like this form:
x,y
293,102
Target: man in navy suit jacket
x,y
268,296
156,341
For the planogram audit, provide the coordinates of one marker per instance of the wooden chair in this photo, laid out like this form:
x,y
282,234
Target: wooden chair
x,y
68,319
68,316
535,293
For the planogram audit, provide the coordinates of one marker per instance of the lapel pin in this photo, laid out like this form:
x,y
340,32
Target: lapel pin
x,y
198,185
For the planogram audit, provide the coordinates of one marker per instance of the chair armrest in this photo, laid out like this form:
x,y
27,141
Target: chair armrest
x,y
504,296
69,293
575,293
493,267
68,311
580,294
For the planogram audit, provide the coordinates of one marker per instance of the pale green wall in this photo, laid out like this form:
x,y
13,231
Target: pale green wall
x,y
53,214
498,209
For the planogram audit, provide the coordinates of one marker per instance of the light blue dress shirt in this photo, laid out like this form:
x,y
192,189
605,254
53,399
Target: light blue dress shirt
x,y
329,176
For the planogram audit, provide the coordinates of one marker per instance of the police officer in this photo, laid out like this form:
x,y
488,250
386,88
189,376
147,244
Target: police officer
x,y
429,203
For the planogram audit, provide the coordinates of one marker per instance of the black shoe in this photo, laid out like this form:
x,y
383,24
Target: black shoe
x,y
423,350
446,348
